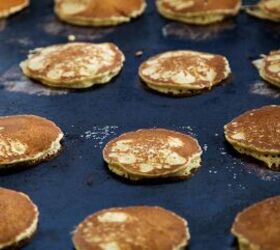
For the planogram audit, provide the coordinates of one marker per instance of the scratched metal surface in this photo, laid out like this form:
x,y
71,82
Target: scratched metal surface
x,y
76,184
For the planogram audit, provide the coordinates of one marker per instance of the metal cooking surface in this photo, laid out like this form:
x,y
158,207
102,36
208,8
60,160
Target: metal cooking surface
x,y
76,184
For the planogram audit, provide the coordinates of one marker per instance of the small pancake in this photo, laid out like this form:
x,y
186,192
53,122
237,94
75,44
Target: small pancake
x,y
153,153
266,9
9,7
184,72
99,13
257,227
74,65
269,68
18,219
27,140
256,133
139,227
199,12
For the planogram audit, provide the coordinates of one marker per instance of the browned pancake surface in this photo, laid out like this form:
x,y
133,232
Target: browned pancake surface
x,y
271,7
198,6
7,5
22,137
132,228
272,66
102,9
257,129
151,152
17,214
259,224
185,69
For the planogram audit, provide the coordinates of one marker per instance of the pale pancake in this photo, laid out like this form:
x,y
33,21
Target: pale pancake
x,y
74,65
18,219
153,153
269,68
139,227
99,13
256,133
266,9
181,72
9,7
27,140
257,227
198,11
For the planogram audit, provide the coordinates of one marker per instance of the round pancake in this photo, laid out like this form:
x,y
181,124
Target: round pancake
x,y
74,65
152,153
256,133
27,140
198,11
99,13
18,219
257,227
269,68
184,72
139,227
9,7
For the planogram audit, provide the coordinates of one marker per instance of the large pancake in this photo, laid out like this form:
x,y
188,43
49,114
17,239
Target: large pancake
x,y
257,227
152,153
74,65
184,70
27,139
256,133
139,227
18,218
9,7
99,13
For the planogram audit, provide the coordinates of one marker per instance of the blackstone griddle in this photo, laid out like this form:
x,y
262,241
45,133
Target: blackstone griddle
x,y
77,183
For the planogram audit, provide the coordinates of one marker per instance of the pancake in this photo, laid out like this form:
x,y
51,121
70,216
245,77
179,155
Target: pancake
x,y
266,9
269,68
184,72
257,227
256,133
9,7
74,65
139,227
198,12
99,13
153,153
18,219
27,140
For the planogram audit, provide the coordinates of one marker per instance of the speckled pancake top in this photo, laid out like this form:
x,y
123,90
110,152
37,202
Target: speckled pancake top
x,y
74,62
185,69
271,6
259,224
23,137
132,228
8,5
199,6
17,215
271,65
258,129
151,152
89,9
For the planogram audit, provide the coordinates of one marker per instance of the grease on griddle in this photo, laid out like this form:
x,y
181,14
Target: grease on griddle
x,y
263,89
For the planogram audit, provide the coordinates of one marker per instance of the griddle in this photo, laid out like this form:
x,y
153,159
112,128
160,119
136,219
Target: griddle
x,y
77,183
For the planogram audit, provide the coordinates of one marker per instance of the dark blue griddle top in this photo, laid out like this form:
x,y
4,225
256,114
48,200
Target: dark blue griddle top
x,y
76,184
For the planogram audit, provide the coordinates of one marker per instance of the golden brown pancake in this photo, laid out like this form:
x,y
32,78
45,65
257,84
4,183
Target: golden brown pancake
x,y
9,7
269,68
18,219
99,13
198,11
27,140
132,228
256,133
74,65
266,9
184,72
257,227
153,153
